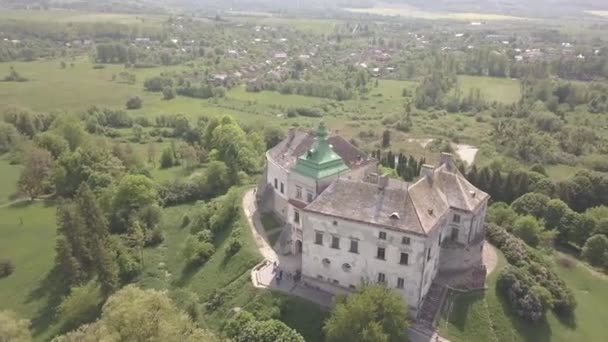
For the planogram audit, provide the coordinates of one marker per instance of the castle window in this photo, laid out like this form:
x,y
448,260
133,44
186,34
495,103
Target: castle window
x,y
282,188
439,241
309,197
326,262
404,259
276,183
381,254
456,218
346,268
335,242
381,278
318,238
335,223
382,235
354,246
336,281
428,255
405,240
296,216
298,192
400,283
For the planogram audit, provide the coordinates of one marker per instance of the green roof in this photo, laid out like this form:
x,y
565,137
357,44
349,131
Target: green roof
x,y
320,161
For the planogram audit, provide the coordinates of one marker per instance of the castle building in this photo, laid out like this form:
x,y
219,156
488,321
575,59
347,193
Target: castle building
x,y
350,226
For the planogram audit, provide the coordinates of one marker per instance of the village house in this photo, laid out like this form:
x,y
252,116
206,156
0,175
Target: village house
x,y
347,226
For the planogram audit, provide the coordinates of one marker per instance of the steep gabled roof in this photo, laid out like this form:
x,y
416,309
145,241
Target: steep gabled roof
x,y
367,203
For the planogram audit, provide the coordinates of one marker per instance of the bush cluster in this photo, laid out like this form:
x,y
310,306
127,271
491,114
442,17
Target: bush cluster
x,y
522,289
6,268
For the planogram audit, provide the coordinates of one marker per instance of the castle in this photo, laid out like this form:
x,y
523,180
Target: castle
x,y
348,225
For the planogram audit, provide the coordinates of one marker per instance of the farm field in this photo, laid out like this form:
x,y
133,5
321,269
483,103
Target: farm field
x,y
412,12
58,15
479,317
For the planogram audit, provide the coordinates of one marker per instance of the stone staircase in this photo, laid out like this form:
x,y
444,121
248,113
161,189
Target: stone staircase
x,y
431,306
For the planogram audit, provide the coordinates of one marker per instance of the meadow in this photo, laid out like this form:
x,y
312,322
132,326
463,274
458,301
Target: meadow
x,y
502,90
412,12
486,316
66,16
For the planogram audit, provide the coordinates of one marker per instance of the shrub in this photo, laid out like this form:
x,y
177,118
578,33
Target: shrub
x,y
155,237
216,299
527,299
6,268
134,103
595,250
168,93
185,221
566,262
234,245
195,252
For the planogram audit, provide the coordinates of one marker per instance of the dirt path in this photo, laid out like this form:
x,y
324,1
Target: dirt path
x,y
489,257
466,152
257,229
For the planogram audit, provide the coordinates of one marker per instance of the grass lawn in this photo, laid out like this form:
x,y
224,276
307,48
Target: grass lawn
x,y
562,172
8,181
504,90
27,237
486,316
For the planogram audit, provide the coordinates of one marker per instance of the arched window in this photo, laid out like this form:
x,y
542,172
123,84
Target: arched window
x,y
346,267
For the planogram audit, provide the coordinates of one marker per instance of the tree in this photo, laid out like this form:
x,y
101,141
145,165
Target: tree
x,y
133,314
134,103
95,222
71,129
168,93
9,136
80,306
373,313
38,165
501,214
386,138
13,329
167,158
52,142
134,192
596,250
531,204
244,327
528,229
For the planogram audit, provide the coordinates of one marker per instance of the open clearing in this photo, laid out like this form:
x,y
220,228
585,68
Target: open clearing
x,y
412,12
503,90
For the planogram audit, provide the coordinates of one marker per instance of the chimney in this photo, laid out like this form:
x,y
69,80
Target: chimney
x,y
427,171
447,158
383,182
372,178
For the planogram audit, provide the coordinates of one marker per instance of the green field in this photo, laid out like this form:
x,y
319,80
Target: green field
x,y
8,181
28,239
412,12
65,16
503,90
486,317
